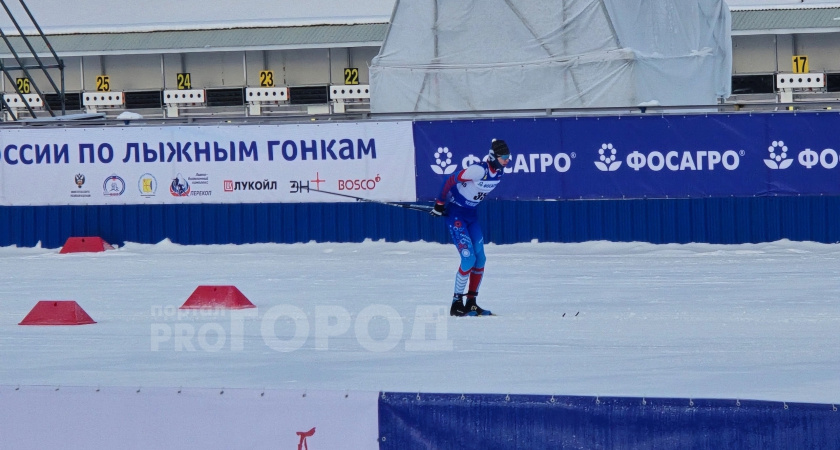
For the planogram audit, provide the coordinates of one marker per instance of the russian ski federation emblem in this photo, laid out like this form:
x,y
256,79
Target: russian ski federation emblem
x,y
607,155
443,162
778,156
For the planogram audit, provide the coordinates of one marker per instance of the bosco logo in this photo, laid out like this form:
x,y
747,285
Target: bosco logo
x,y
368,184
443,162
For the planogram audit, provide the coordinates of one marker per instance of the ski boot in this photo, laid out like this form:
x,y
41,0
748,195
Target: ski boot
x,y
473,309
457,309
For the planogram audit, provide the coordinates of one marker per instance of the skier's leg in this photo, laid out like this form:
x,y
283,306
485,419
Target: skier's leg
x,y
459,233
477,272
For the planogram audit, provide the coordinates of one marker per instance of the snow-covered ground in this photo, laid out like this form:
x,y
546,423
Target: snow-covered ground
x,y
600,318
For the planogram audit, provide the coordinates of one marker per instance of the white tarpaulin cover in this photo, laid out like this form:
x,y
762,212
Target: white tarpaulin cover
x,y
456,55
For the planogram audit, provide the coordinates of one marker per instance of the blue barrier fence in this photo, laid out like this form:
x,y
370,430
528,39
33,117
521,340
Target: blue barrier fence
x,y
716,178
715,220
455,421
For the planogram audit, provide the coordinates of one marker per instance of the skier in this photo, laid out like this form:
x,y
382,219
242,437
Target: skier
x,y
460,195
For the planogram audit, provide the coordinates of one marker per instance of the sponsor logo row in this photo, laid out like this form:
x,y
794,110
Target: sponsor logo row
x,y
115,185
341,184
199,184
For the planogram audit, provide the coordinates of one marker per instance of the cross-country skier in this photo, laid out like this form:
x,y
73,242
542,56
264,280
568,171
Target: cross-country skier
x,y
460,195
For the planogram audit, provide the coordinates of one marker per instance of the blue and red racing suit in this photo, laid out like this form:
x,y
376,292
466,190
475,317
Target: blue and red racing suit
x,y
462,192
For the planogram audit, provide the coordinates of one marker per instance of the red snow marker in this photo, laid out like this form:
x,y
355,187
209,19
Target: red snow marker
x,y
85,244
222,297
57,312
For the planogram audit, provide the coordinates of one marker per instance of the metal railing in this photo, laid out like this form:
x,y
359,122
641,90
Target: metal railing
x,y
40,65
298,114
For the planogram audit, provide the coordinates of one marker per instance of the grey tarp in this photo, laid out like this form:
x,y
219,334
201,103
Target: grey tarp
x,y
464,55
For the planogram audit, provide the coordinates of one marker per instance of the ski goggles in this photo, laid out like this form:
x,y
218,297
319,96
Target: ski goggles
x,y
504,157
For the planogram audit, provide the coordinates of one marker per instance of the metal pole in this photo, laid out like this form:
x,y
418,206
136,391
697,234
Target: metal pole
x,y
34,55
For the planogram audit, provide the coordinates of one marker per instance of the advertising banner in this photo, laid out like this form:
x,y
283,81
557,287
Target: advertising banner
x,y
145,418
206,164
715,155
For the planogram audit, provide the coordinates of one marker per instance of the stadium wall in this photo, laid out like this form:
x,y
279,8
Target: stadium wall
x,y
713,220
716,178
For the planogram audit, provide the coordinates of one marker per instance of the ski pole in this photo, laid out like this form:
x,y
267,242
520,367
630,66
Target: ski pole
x,y
413,206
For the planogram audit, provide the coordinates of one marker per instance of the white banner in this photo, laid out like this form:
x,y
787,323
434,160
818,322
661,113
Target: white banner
x,y
45,417
207,164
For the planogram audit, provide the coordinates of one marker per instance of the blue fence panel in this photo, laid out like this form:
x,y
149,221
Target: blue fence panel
x,y
714,220
28,229
832,228
455,421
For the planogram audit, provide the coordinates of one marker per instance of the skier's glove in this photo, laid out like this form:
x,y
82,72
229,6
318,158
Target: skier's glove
x,y
439,210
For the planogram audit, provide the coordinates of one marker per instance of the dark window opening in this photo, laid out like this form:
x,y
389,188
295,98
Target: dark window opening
x,y
72,101
753,84
225,97
143,99
308,95
832,82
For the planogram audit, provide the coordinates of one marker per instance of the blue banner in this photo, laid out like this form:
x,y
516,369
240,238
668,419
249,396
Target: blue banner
x,y
673,156
483,421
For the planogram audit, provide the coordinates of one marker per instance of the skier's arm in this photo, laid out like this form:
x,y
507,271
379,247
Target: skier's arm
x,y
448,184
470,173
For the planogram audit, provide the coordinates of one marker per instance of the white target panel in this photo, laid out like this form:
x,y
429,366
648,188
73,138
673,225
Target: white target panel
x,y
800,80
103,98
184,97
349,92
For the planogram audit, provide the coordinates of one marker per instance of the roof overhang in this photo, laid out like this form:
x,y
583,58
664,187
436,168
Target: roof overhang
x,y
202,41
788,19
